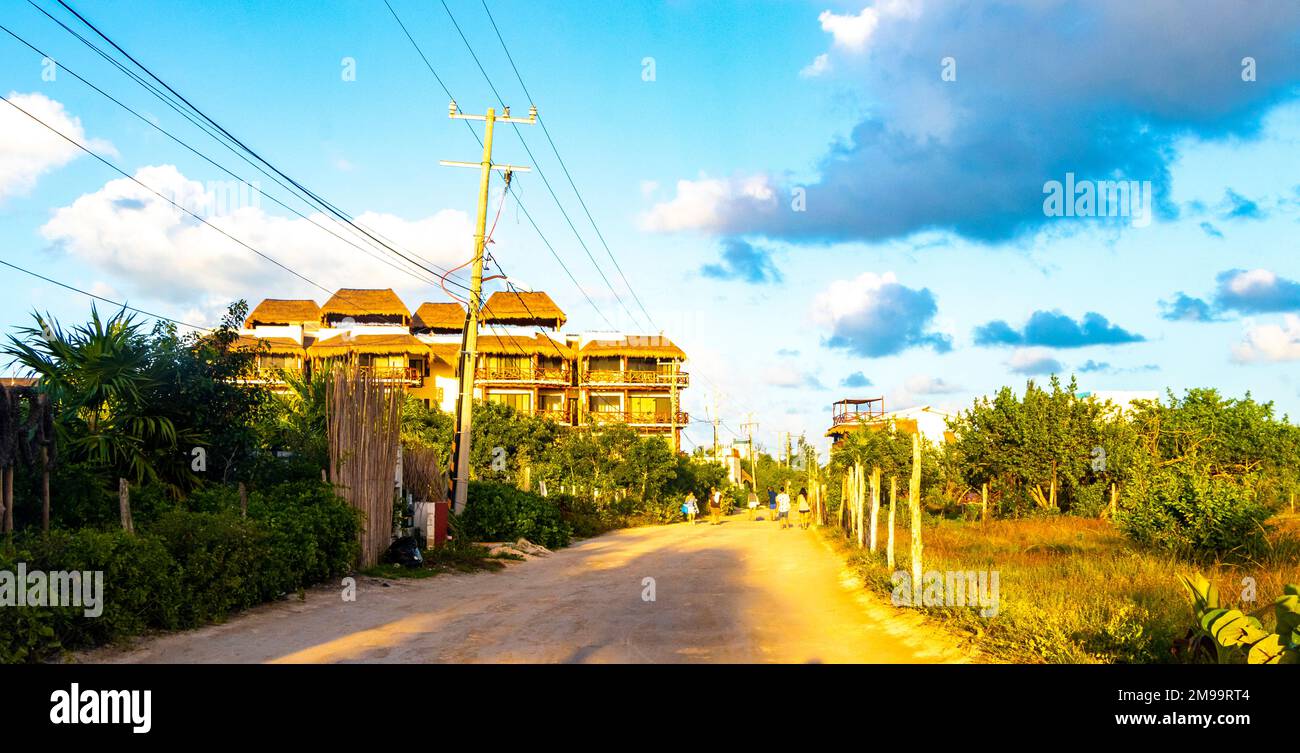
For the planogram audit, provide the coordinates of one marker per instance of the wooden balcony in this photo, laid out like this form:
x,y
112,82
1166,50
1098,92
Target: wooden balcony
x,y
528,374
560,416
854,411
638,418
396,375
636,378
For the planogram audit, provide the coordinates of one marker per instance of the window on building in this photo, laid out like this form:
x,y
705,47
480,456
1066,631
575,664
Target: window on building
x,y
644,406
605,404
641,364
552,402
605,363
521,401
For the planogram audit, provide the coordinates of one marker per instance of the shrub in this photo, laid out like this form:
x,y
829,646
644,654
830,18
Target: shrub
x,y
222,562
313,532
500,512
1188,512
185,568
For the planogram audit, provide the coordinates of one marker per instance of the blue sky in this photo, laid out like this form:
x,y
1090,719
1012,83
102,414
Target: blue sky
x,y
915,138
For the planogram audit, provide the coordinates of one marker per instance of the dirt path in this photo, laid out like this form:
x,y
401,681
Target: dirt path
x,y
739,592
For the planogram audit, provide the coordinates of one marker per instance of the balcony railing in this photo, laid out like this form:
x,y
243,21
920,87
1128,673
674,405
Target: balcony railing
x,y
397,374
522,374
856,416
638,418
636,377
559,415
267,375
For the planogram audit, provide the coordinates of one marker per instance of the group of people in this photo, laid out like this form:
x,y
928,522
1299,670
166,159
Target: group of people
x,y
779,505
691,508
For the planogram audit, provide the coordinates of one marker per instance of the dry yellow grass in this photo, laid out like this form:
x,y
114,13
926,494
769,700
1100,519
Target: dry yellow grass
x,y
1074,590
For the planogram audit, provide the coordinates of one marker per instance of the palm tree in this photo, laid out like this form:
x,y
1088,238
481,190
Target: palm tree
x,y
99,376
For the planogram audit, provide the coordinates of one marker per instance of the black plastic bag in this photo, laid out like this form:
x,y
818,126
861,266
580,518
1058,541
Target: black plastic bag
x,y
405,552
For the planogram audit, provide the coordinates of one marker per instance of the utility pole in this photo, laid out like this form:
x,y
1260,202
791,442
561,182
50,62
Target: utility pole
x,y
714,419
468,356
749,427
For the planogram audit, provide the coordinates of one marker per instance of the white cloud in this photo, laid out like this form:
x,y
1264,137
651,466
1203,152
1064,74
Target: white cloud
x,y
28,149
148,248
1270,342
874,315
922,384
854,32
702,204
820,64
789,373
1034,360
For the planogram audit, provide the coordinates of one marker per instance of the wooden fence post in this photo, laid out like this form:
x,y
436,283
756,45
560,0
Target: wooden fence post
x,y
984,503
875,505
914,503
124,504
8,494
861,507
243,500
893,502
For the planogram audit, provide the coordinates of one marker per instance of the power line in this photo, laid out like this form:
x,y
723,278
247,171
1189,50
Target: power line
x,y
135,180
75,289
214,163
518,200
315,199
547,132
536,165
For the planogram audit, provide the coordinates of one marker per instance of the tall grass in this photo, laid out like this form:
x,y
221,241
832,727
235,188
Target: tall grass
x,y
1074,590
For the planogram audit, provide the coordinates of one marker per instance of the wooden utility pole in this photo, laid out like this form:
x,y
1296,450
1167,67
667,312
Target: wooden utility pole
x,y
749,427
465,399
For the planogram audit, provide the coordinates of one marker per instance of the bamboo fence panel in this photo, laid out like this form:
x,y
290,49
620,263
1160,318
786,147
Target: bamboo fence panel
x,y
364,427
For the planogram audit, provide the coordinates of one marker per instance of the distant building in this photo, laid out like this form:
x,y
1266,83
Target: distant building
x,y
869,414
576,379
1123,399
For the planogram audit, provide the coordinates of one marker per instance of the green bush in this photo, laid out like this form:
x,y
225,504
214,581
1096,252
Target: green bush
x,y
1186,511
185,568
313,533
500,512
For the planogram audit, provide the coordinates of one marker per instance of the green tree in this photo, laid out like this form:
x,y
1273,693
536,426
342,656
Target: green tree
x,y
103,379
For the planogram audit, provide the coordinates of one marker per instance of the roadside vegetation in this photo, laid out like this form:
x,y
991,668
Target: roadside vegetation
x,y
228,502
1200,483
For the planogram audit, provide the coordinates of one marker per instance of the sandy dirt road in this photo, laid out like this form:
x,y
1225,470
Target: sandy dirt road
x,y
742,591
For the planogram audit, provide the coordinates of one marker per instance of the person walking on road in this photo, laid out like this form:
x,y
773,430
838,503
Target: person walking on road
x,y
771,504
783,508
753,503
804,508
715,505
691,507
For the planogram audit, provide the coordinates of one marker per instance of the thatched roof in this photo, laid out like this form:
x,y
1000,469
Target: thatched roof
x,y
513,345
356,302
376,344
439,317
17,381
276,345
281,311
523,309
635,346
449,352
